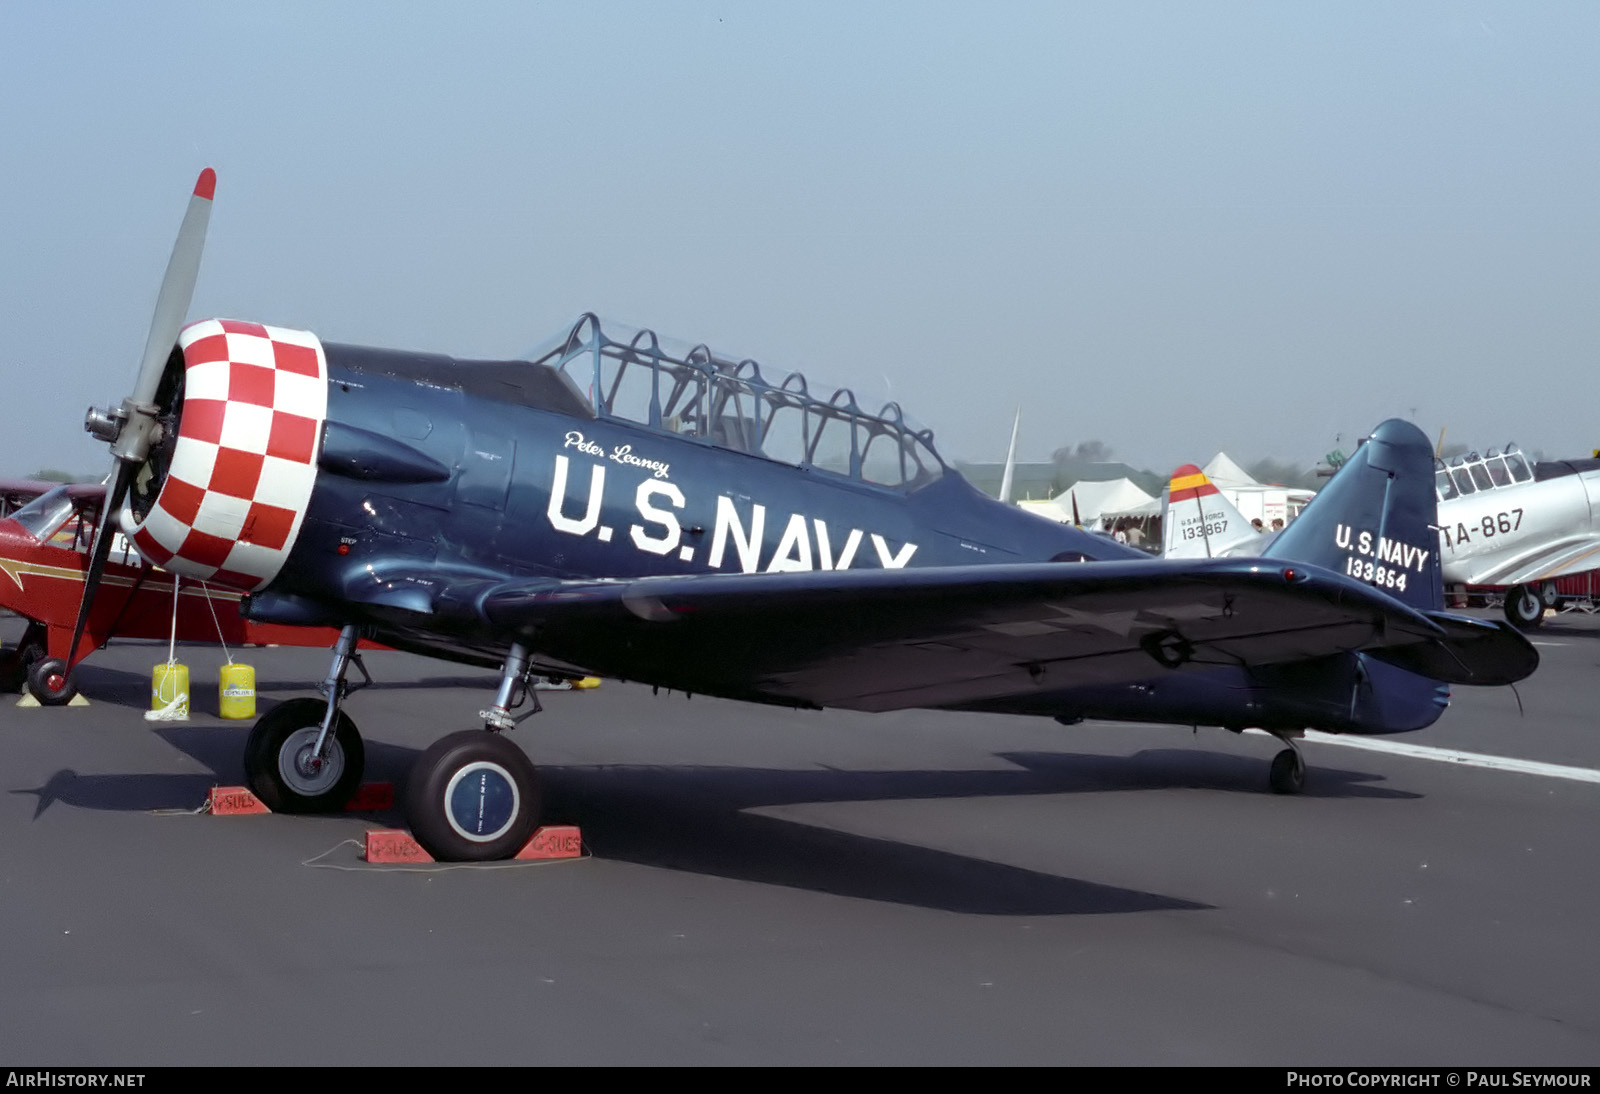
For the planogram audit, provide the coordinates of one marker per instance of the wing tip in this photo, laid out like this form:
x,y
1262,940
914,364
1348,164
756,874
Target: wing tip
x,y
206,185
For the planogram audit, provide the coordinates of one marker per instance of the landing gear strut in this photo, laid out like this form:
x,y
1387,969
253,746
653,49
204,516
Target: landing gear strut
x,y
305,756
474,795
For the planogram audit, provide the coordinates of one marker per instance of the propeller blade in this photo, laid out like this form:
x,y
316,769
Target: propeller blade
x,y
172,307
115,492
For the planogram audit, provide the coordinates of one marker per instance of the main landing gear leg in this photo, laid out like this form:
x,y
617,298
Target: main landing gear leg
x,y
474,795
305,756
1288,774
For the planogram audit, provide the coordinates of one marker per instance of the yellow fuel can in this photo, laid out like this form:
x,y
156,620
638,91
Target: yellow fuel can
x,y
169,690
236,691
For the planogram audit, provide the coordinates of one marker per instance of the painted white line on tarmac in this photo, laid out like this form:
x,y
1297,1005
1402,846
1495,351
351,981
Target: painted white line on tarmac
x,y
1451,756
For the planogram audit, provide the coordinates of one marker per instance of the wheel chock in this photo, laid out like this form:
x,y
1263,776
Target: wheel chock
x,y
371,798
394,845
585,683
28,700
553,841
234,801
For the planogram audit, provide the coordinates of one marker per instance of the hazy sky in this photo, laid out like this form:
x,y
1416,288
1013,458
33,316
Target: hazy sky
x,y
1173,227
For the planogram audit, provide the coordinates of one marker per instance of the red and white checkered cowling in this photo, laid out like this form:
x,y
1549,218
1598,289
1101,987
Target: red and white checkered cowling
x,y
254,403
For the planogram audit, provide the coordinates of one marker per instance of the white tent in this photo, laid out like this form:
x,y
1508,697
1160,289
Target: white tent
x,y
1254,500
1096,501
1224,472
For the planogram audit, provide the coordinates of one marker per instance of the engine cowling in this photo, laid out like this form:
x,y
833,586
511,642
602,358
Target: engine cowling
x,y
235,485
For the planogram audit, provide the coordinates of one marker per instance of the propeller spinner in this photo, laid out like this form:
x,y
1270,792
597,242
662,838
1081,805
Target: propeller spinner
x,y
134,428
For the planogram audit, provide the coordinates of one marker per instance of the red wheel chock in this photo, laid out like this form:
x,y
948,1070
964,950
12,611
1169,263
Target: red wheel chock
x,y
553,841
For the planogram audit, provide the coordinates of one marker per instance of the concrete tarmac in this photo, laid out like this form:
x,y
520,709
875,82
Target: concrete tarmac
x,y
767,886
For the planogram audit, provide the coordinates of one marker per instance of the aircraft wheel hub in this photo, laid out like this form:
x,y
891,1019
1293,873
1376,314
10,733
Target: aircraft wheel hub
x,y
300,768
482,801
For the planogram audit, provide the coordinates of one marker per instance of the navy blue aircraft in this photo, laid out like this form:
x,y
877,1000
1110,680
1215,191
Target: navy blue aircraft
x,y
623,507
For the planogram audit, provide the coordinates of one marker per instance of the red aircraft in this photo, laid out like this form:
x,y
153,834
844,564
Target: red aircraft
x,y
44,554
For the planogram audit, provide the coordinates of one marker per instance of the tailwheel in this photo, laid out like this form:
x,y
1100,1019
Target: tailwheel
x,y
1524,607
50,682
1288,774
473,796
281,763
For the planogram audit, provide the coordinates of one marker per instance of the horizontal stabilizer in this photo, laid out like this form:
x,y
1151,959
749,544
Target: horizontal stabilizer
x,y
1471,651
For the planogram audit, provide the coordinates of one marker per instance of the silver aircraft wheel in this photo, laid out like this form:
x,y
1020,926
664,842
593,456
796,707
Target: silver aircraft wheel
x,y
299,768
278,763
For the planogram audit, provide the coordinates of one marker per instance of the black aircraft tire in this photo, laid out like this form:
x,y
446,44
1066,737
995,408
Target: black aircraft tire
x,y
1524,607
50,682
1288,774
284,734
472,797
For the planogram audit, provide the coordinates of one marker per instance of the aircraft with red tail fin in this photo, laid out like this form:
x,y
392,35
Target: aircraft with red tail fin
x,y
1198,521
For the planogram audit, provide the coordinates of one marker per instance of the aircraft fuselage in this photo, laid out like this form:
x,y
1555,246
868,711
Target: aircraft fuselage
x,y
473,485
1500,535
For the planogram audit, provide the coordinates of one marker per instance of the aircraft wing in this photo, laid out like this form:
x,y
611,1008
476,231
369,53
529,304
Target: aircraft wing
x,y
1573,555
893,639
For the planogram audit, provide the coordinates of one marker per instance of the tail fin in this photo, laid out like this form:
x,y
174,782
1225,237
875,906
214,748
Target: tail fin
x,y
1011,460
1197,521
1376,520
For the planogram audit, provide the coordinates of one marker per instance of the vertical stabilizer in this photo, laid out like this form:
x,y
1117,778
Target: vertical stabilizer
x,y
1376,520
1011,460
1197,521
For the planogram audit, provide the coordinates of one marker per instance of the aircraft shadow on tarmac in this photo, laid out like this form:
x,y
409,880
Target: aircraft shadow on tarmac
x,y
706,820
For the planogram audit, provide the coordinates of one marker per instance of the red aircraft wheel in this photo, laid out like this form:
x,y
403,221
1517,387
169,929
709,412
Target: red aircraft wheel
x,y
50,683
472,796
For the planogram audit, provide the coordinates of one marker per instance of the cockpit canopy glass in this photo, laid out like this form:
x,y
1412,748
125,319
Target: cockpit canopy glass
x,y
1471,473
694,392
45,514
